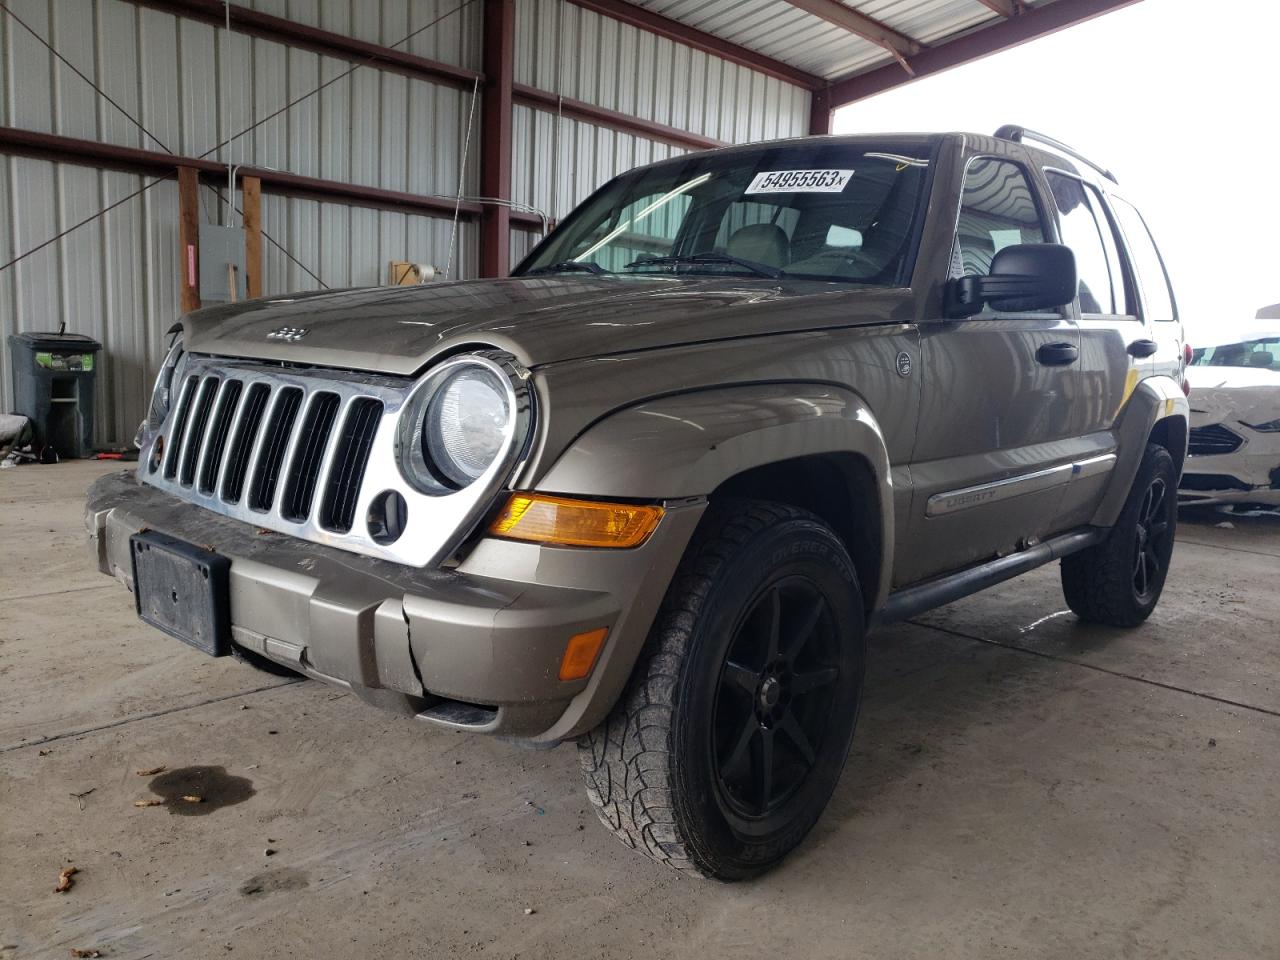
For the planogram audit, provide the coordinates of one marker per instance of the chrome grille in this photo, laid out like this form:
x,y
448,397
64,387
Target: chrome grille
x,y
242,443
270,447
193,439
316,427
181,414
339,507
1213,440
306,453
218,431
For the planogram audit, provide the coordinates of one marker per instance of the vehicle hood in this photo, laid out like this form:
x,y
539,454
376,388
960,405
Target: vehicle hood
x,y
399,330
1223,394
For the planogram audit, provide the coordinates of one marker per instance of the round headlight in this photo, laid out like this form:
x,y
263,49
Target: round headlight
x,y
466,426
162,394
464,420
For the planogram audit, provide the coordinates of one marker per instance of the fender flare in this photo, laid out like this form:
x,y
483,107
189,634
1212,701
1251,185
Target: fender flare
x,y
688,444
1153,401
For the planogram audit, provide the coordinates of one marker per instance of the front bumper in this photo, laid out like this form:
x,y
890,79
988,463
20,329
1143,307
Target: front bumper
x,y
1248,475
477,647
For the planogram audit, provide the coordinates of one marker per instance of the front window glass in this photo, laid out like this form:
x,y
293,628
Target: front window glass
x,y
997,210
820,211
1262,353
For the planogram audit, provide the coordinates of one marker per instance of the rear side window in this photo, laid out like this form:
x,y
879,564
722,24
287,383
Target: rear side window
x,y
1157,297
997,210
1087,230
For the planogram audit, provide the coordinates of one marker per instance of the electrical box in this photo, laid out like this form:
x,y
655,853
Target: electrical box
x,y
222,264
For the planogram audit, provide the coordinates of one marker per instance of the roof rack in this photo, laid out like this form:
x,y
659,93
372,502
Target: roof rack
x,y
1019,134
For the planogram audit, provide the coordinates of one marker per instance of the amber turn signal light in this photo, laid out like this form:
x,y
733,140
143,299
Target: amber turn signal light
x,y
575,523
580,653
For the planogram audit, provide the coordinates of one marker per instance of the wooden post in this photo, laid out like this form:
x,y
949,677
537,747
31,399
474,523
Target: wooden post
x,y
251,190
189,237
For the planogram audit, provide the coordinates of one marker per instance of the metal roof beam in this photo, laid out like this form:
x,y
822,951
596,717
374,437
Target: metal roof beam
x,y
860,25
1006,8
92,153
652,22
613,119
291,33
1034,23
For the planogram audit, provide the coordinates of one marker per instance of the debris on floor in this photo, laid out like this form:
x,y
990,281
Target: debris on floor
x,y
65,882
79,797
151,771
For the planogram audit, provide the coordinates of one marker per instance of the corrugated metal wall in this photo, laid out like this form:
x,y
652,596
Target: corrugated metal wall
x,y
117,279
575,53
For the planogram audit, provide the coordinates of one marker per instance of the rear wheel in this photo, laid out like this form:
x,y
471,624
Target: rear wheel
x,y
1119,581
726,746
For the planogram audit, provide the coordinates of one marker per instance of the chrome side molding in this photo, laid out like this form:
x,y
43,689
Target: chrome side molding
x,y
952,501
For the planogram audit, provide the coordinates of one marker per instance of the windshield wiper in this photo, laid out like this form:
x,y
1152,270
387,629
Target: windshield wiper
x,y
568,266
759,269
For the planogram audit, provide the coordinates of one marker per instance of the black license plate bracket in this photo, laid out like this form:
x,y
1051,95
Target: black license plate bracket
x,y
183,590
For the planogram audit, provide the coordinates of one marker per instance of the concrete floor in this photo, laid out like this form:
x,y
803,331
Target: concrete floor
x,y
1020,786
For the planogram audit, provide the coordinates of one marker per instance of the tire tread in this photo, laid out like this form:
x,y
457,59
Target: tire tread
x,y
1097,582
627,760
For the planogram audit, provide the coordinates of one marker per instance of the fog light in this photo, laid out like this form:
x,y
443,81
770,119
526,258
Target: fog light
x,y
580,653
388,514
575,523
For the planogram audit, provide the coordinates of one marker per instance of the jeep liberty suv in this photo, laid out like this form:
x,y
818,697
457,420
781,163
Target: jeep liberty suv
x,y
650,493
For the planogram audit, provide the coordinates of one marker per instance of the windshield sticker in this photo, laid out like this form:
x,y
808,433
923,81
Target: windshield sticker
x,y
800,181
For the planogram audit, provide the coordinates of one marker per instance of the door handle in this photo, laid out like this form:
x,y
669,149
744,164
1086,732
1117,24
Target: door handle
x,y
1143,348
1057,354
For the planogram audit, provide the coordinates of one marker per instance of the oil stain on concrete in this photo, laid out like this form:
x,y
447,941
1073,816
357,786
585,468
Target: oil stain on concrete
x,y
284,878
213,785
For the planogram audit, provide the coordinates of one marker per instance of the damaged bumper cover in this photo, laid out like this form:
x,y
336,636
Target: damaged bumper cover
x,y
1250,475
477,647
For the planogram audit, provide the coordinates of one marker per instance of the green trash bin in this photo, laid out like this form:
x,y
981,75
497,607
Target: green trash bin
x,y
53,384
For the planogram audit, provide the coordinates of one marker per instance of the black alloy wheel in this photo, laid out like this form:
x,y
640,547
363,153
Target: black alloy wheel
x,y
774,698
1151,534
729,740
1119,581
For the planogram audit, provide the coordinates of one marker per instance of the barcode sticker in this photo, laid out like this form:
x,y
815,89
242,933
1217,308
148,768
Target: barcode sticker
x,y
800,181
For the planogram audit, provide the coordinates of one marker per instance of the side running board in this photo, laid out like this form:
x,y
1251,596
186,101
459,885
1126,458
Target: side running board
x,y
910,601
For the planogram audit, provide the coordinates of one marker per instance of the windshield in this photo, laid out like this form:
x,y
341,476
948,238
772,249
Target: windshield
x,y
1263,352
819,211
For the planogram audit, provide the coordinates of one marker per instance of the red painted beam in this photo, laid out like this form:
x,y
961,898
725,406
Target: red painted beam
x,y
601,116
497,47
1035,22
820,113
860,25
294,34
644,19
1006,8
50,146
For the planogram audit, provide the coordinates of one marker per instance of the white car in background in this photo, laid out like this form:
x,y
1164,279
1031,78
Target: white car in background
x,y
1234,455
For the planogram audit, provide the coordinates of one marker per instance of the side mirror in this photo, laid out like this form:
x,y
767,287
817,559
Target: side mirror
x,y
1025,276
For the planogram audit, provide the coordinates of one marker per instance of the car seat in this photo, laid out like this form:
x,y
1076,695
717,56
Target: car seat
x,y
765,243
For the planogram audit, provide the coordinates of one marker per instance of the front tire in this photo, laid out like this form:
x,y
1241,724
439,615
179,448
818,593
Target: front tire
x,y
731,735
1118,582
